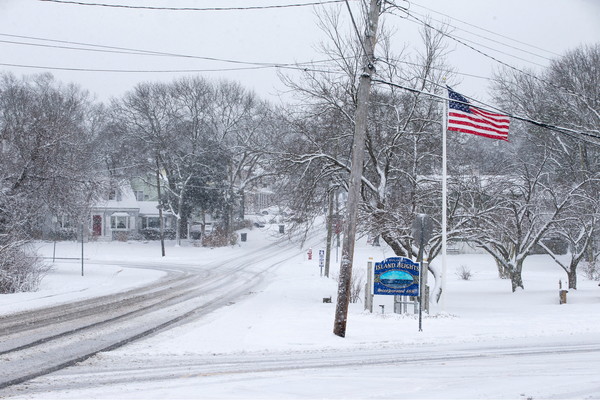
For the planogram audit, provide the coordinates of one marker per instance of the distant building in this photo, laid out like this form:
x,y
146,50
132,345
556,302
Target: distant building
x,y
129,210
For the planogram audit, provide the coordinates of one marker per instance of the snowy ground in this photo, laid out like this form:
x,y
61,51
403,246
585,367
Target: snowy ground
x,y
288,319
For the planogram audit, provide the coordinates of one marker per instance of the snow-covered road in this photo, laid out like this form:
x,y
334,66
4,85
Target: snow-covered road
x,y
275,340
43,340
462,371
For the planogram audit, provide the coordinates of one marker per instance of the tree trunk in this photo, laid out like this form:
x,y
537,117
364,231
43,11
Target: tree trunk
x,y
329,233
242,210
572,275
177,231
503,272
516,278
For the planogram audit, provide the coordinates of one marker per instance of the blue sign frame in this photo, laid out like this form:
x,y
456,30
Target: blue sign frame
x,y
398,276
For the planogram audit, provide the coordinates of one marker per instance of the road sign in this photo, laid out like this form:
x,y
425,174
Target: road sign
x,y
396,276
321,260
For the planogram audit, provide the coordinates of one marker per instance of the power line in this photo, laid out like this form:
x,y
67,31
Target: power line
x,y
358,35
275,6
74,69
566,131
484,29
491,40
582,96
131,70
464,41
133,51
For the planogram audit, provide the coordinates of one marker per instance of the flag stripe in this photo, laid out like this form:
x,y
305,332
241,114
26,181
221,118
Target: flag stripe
x,y
459,117
463,117
463,122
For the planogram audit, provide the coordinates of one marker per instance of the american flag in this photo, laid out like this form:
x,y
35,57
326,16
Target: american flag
x,y
463,117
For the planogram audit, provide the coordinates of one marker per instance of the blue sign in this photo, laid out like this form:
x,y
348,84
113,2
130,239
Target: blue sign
x,y
397,276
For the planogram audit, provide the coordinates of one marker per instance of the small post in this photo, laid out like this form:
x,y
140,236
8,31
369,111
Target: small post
x,y
369,286
54,253
397,304
382,308
82,249
425,290
421,294
321,260
562,294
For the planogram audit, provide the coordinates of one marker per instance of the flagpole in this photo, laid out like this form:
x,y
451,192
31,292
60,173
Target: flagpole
x,y
444,201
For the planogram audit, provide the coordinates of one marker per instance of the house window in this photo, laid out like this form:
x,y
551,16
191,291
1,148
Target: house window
x,y
139,195
151,222
119,222
64,222
115,194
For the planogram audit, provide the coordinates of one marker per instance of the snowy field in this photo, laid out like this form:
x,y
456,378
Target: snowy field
x,y
487,343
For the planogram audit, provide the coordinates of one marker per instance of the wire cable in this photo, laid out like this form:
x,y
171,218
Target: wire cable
x,y
132,51
75,69
275,6
567,131
581,96
126,50
358,35
484,29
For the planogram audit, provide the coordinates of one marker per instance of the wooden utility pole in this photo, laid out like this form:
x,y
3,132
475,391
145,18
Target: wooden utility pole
x,y
160,213
329,232
354,185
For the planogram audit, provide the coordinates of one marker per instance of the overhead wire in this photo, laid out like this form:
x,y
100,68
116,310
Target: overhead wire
x,y
358,35
304,65
495,59
133,51
412,2
528,52
74,69
313,65
247,8
567,131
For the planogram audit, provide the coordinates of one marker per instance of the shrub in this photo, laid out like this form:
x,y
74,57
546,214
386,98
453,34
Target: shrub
x,y
61,234
591,270
357,284
464,273
20,269
154,234
218,238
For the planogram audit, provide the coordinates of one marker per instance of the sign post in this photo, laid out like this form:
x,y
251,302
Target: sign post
x,y
321,260
397,276
421,231
369,287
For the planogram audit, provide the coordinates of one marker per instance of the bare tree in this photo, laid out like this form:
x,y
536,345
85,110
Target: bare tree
x,y
47,163
565,96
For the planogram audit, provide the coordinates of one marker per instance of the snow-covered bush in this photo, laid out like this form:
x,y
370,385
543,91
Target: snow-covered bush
x,y
20,269
591,270
219,239
357,284
464,273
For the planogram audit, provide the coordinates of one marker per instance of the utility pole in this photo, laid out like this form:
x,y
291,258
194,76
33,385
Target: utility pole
x,y
329,231
160,213
355,183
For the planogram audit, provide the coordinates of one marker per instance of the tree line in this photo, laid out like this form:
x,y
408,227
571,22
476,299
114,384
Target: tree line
x,y
208,142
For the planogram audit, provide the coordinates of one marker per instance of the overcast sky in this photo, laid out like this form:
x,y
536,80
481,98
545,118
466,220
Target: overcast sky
x,y
544,28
